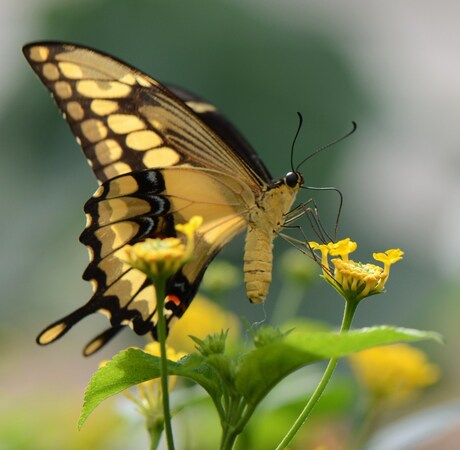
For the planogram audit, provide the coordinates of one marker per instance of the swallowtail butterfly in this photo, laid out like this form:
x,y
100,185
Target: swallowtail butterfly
x,y
161,156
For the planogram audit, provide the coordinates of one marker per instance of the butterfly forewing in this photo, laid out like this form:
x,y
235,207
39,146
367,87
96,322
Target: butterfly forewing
x,y
125,120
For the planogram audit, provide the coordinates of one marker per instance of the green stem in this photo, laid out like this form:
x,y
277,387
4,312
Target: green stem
x,y
161,329
350,308
155,433
234,423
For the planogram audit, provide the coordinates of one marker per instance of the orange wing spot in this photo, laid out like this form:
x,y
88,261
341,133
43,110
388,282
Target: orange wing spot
x,y
173,298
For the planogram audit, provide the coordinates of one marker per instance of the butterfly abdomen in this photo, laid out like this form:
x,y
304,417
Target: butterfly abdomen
x,y
264,222
258,263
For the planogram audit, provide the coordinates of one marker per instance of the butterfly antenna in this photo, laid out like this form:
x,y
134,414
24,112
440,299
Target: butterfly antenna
x,y
295,139
336,141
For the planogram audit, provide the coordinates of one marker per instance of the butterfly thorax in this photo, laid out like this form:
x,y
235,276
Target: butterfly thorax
x,y
264,222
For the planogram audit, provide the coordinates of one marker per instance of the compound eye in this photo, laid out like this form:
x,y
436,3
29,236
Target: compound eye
x,y
292,179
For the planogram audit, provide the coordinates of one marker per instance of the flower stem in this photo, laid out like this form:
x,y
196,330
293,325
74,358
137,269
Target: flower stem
x,y
350,308
155,433
161,329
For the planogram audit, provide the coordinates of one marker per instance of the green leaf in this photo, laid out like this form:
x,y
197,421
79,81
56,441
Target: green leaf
x,y
334,344
264,367
134,366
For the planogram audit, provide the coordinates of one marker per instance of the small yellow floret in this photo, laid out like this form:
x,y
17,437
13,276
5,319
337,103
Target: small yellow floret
x,y
324,249
342,248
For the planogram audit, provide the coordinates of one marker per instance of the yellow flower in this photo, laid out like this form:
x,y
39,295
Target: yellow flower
x,y
163,257
203,317
354,280
393,374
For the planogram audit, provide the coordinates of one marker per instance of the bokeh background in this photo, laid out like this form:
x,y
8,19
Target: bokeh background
x,y
393,67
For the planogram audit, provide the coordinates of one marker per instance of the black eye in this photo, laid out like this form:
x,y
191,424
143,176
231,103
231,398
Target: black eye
x,y
292,179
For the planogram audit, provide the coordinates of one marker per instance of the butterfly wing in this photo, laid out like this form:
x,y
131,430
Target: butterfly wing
x,y
225,129
159,164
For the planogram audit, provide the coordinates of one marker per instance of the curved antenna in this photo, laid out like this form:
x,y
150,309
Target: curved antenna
x,y
295,139
324,147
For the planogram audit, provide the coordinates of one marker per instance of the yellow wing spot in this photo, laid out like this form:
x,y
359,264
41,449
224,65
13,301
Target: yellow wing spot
x,y
63,89
201,107
93,346
128,78
143,140
161,157
50,71
70,70
125,123
143,81
122,186
103,89
116,209
94,130
104,107
152,113
100,190
113,267
112,237
145,302
115,169
52,334
108,151
75,110
89,220
90,254
93,284
126,287
39,54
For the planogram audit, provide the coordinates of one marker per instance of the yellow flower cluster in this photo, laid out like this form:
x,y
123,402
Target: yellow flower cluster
x,y
354,280
393,373
166,256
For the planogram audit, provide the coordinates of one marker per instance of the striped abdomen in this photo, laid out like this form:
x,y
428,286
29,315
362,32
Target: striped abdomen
x,y
264,222
258,258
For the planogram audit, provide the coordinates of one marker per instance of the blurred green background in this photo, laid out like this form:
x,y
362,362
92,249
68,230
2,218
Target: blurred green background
x,y
393,67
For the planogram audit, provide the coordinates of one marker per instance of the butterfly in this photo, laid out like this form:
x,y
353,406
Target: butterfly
x,y
161,156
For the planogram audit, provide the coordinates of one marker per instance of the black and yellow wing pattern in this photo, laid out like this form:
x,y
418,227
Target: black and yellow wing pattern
x,y
161,156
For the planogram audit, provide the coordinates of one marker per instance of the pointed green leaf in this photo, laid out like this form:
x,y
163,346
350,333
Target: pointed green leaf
x,y
334,344
264,367
134,366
